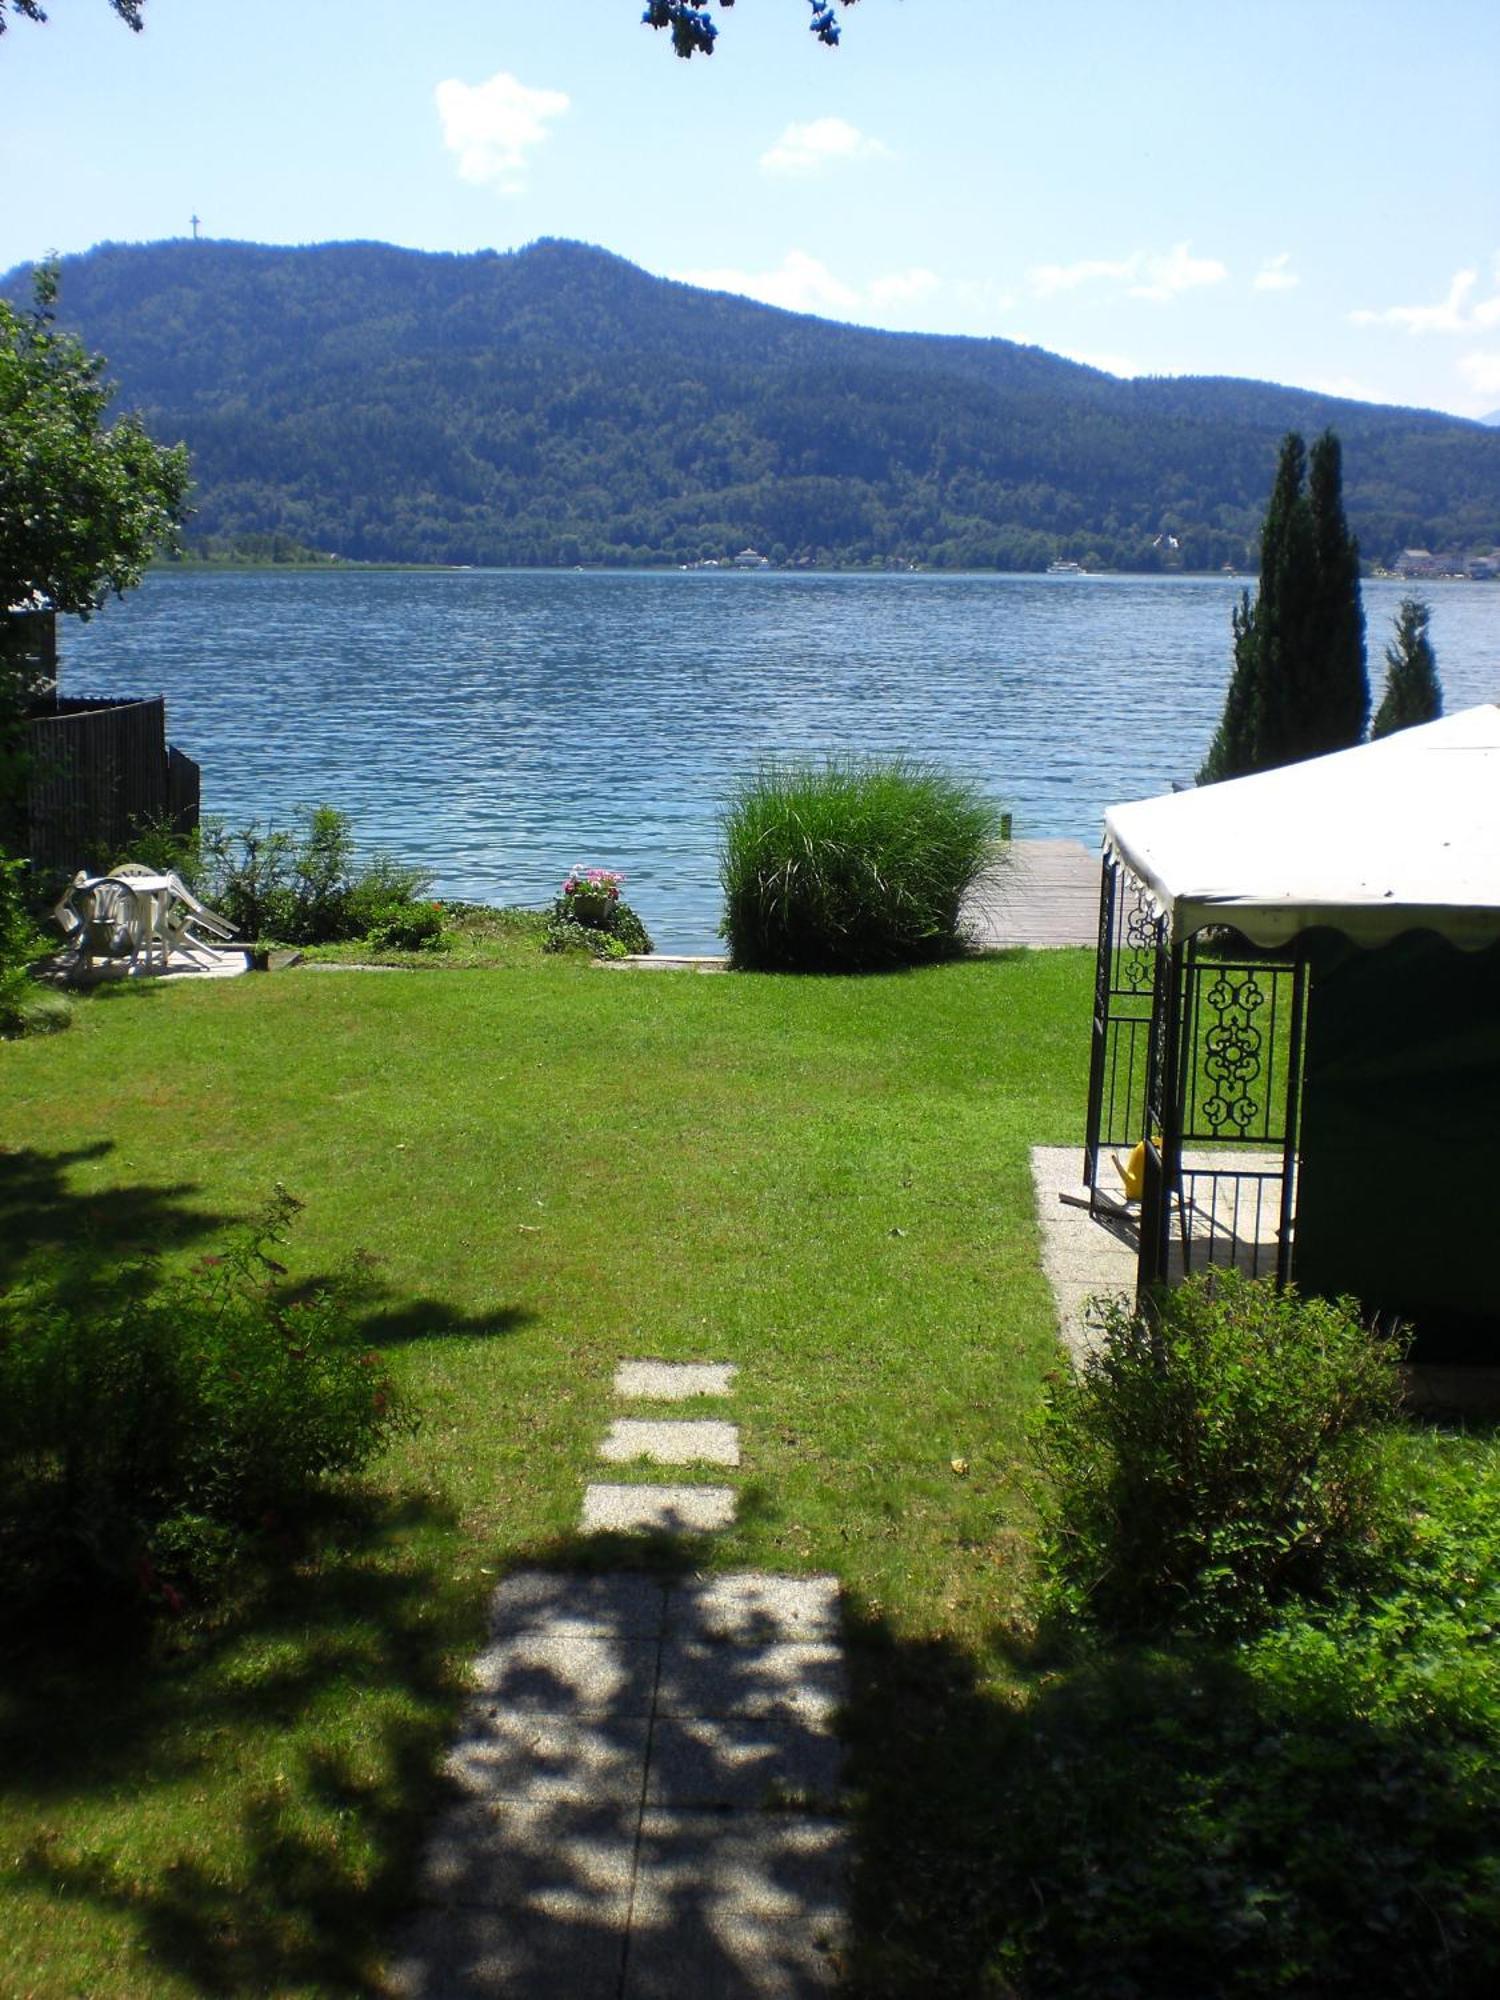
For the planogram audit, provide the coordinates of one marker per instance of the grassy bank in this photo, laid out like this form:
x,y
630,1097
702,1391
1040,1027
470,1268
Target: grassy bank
x,y
825,1181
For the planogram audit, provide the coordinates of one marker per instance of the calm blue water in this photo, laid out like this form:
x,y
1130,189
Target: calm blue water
x,y
499,726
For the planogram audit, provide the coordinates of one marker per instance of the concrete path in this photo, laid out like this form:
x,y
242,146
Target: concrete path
x,y
647,1776
1044,894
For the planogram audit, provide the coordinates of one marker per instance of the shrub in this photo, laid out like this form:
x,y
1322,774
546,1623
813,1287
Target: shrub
x,y
1215,1455
850,865
135,1412
25,1008
302,886
407,927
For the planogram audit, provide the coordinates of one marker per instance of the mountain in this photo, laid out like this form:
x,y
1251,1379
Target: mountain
x,y
1492,418
558,405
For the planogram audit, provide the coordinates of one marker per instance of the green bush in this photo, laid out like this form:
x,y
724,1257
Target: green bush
x,y
1214,1456
25,1007
850,865
153,1415
407,927
302,886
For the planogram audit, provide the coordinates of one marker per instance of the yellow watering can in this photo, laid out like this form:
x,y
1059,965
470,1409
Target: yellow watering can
x,y
1132,1169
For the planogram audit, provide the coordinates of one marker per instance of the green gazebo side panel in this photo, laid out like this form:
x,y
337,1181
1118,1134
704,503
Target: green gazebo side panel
x,y
1397,1189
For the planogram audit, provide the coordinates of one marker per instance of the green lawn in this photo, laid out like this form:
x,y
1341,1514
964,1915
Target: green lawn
x,y
825,1181
556,1167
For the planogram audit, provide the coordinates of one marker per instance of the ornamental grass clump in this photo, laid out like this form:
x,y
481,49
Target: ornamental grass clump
x,y
850,865
1216,1455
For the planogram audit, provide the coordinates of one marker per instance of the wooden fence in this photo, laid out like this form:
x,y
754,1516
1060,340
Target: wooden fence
x,y
95,772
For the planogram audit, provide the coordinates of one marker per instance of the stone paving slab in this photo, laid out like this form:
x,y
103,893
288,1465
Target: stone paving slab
x,y
752,1763
674,1381
743,1908
624,1602
569,1668
748,1605
709,1677
671,1443
477,1954
691,1510
538,1759
569,1862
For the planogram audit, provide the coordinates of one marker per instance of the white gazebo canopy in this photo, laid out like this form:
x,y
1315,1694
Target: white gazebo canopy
x,y
1398,835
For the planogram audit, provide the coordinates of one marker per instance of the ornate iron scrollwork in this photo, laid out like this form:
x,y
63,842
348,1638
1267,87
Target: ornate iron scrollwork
x,y
1140,934
1234,1052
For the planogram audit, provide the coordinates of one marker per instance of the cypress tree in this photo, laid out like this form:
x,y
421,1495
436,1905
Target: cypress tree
x,y
1412,691
1299,686
1338,704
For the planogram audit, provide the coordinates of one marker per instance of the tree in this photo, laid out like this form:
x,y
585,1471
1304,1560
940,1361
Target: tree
x,y
1299,686
83,506
129,11
694,30
1412,692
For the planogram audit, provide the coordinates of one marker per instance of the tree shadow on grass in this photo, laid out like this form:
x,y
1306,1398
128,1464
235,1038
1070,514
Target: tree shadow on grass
x,y
1156,1823
55,1229
348,1612
360,1624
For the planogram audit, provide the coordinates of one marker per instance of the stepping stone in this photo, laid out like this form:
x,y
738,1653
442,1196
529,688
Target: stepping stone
x,y
693,1510
672,1443
503,1753
743,1905
747,1605
569,1668
626,1603
521,1899
749,1763
674,1381
717,1677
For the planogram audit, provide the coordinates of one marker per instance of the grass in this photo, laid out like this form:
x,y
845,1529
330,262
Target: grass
x,y
826,1182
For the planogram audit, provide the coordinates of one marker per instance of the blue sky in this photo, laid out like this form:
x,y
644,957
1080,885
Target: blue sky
x,y
1304,191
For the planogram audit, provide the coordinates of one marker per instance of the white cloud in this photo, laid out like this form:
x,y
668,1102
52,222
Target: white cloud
x,y
1347,388
1459,312
903,288
1179,271
1482,373
1273,275
1144,274
802,284
1045,279
493,126
1110,364
821,142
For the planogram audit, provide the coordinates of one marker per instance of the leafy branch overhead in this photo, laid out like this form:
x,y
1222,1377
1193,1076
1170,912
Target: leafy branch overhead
x,y
83,506
694,30
129,11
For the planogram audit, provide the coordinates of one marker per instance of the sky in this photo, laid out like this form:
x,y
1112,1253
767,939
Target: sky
x,y
1300,191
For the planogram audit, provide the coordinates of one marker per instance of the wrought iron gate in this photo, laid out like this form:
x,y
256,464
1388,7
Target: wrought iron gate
x,y
1197,1056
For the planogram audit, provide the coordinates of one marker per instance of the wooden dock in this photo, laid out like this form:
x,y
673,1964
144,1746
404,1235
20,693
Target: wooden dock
x,y
1043,895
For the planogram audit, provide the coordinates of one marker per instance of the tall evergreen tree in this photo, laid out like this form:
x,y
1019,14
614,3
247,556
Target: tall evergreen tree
x,y
1299,686
1338,692
1412,691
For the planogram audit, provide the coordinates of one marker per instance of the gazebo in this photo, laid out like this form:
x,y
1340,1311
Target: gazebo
x,y
1297,1027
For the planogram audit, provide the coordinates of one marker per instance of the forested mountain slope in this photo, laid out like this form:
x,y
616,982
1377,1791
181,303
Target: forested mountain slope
x,y
557,405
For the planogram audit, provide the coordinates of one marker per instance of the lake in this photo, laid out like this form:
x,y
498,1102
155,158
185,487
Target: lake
x,y
498,726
